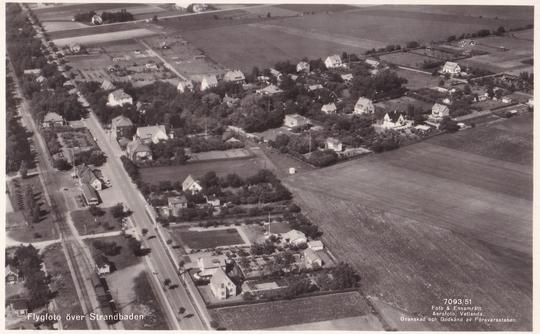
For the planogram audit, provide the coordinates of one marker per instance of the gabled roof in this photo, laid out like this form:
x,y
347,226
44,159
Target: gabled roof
x,y
88,191
9,270
235,75
52,117
451,66
189,181
107,85
334,59
269,90
119,94
86,174
440,109
177,200
293,235
298,118
210,80
184,84
363,102
137,146
121,120
310,255
148,132
330,107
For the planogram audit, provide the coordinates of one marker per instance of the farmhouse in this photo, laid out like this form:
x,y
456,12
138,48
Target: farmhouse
x,y
191,185
185,85
138,151
364,106
294,237
107,85
311,259
329,108
438,112
119,98
87,175
269,90
90,194
302,66
316,245
451,68
334,144
234,76
208,82
333,62
75,48
395,121
52,119
175,204
221,285
153,133
12,276
295,120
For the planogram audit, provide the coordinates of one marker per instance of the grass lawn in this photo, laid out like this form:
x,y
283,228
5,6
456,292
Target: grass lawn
x,y
88,224
207,239
122,260
67,299
291,312
243,167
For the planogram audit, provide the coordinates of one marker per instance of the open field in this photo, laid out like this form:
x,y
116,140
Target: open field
x,y
427,221
67,299
498,60
345,324
510,140
292,312
92,39
417,80
407,59
525,13
264,42
207,239
244,167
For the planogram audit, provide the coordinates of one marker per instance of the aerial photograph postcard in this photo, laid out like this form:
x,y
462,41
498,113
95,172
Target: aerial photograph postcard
x,y
268,166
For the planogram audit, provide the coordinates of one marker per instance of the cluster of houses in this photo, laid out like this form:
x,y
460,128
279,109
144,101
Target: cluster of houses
x,y
251,269
90,183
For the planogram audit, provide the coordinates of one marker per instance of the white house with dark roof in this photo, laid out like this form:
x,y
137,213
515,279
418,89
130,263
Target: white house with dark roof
x,y
191,185
234,76
333,62
121,126
221,285
364,106
153,133
208,81
451,68
119,98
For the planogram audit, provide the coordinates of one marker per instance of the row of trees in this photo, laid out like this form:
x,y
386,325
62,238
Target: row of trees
x,y
108,17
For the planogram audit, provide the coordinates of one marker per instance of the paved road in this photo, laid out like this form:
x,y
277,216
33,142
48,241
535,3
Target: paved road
x,y
158,257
